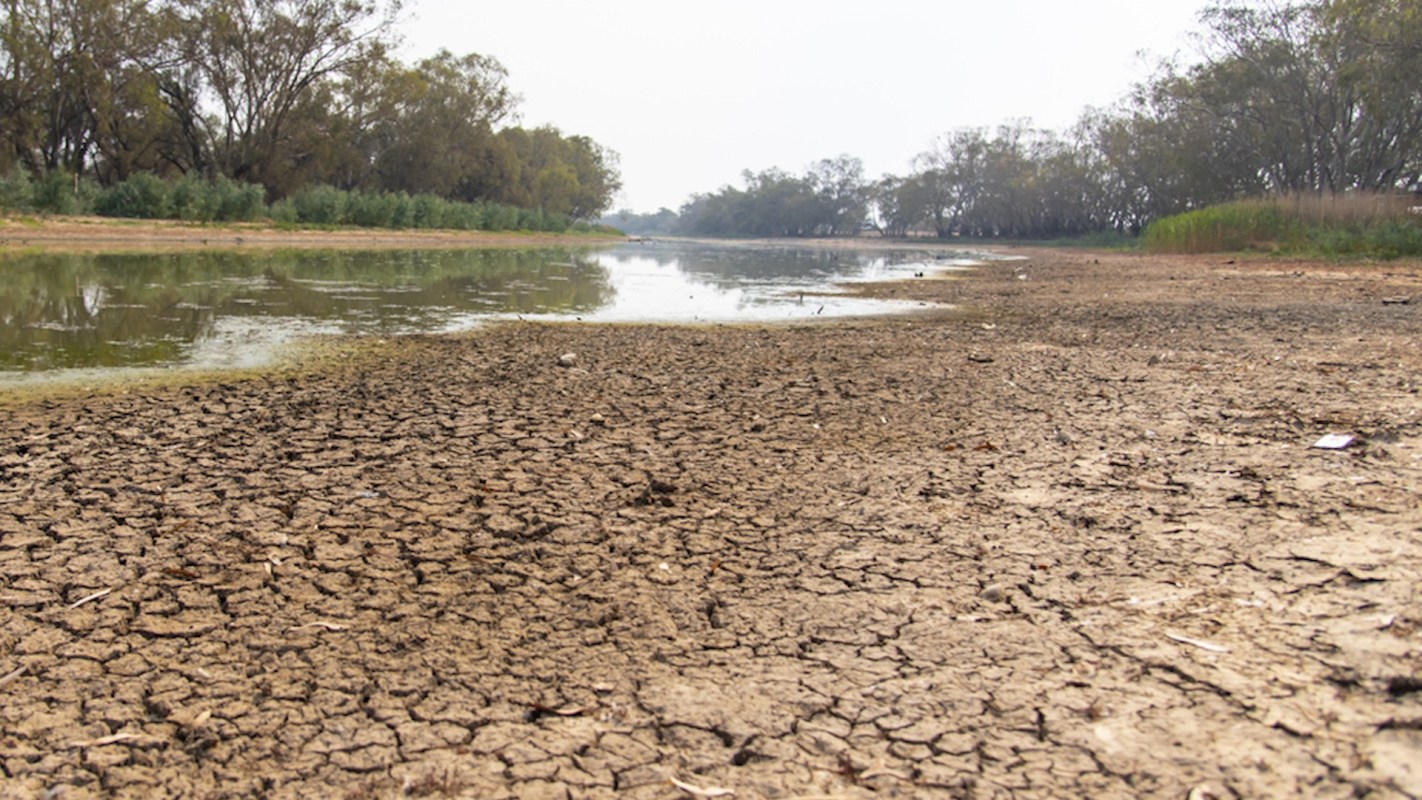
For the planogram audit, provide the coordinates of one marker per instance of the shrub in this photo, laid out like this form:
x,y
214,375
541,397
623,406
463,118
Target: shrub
x,y
237,201
427,211
499,217
379,210
283,211
141,196
15,191
320,205
465,217
191,199
58,192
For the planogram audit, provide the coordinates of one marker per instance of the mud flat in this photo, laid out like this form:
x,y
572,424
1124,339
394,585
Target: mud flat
x,y
1071,540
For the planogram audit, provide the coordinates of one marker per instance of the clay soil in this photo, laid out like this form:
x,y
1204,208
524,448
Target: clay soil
x,y
1071,539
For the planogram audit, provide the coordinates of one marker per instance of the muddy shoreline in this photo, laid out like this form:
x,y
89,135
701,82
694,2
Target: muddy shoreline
x,y
1072,540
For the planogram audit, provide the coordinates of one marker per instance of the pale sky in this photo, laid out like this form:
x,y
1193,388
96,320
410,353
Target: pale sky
x,y
689,94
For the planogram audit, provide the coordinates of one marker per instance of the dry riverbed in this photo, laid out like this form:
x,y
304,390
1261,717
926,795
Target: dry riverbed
x,y
1072,539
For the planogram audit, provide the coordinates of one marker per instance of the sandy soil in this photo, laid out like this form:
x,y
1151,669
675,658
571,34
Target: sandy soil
x,y
1072,541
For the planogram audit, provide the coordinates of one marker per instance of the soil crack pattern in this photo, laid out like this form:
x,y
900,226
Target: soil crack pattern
x,y
1068,538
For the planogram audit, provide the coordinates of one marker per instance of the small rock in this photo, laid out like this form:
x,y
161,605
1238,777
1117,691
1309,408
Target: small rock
x,y
992,593
567,359
598,419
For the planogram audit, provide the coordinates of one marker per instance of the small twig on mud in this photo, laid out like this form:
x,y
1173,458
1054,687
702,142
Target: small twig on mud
x,y
90,598
884,772
330,626
10,677
1200,643
698,791
103,740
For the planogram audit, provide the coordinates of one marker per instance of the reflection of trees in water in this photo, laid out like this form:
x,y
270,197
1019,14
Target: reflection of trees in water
x,y
730,266
69,310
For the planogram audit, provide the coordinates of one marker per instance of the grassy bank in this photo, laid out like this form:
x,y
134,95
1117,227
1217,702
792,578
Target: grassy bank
x,y
1336,226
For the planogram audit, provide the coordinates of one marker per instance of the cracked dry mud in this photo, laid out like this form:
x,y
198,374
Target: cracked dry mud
x,y
1074,542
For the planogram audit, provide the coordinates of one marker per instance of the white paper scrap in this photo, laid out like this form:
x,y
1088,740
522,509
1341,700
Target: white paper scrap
x,y
1334,441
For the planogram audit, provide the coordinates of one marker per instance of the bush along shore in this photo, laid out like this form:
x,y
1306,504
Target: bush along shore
x,y
196,199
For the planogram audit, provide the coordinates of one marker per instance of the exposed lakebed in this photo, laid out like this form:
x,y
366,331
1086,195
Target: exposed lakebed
x,y
84,314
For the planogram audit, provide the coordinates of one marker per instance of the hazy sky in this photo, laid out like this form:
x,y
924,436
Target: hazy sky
x,y
692,93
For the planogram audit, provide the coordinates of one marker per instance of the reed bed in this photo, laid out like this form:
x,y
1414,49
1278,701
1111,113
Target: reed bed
x,y
1355,224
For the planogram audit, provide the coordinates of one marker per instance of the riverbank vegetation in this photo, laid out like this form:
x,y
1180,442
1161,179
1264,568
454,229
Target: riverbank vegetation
x,y
196,199
1368,225
282,98
1319,99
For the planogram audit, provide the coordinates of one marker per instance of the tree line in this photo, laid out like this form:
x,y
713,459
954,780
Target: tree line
x,y
283,94
1318,97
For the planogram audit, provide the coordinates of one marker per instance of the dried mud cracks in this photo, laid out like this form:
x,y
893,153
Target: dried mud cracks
x,y
1073,545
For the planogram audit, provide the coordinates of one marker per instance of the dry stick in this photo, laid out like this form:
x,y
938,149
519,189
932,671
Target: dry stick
x,y
9,678
330,626
90,598
1200,643
100,742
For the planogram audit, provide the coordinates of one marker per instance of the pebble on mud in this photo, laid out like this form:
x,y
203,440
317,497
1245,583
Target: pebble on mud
x,y
992,593
568,359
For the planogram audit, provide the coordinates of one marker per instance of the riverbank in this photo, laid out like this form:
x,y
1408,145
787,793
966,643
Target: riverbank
x,y
1071,539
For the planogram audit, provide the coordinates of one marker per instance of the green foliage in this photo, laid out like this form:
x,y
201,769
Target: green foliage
x,y
1244,225
238,202
59,192
283,212
15,192
427,211
320,205
285,95
498,217
143,196
190,199
375,209
55,192
1351,226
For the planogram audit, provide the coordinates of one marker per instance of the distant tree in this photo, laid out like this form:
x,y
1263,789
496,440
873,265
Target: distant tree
x,y
842,193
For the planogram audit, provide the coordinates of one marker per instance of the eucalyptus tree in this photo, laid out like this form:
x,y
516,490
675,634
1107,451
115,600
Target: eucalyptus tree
x,y
1325,95
900,204
442,114
76,81
255,61
951,172
543,168
842,195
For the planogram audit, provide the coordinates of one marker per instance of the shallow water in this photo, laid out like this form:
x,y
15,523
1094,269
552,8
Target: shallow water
x,y
66,315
